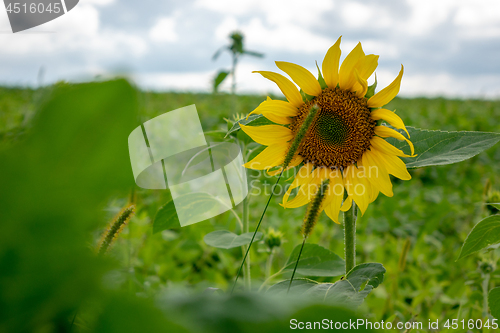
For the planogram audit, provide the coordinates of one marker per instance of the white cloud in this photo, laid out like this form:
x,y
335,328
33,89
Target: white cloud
x,y
164,30
190,81
480,19
427,14
78,30
276,12
358,15
228,25
285,37
449,85
99,2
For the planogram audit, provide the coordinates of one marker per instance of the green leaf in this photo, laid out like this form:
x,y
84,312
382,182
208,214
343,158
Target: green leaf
x,y
217,135
484,234
494,302
371,273
253,120
166,218
224,239
315,261
441,147
371,89
221,76
305,97
351,292
298,287
169,215
494,204
254,54
321,80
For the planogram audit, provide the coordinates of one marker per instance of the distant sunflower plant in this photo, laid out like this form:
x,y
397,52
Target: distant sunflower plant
x,y
332,128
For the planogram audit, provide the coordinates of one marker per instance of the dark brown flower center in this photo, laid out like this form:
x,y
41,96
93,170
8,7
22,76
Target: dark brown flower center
x,y
341,131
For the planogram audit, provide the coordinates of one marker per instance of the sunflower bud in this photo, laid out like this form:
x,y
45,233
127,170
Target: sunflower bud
x,y
273,238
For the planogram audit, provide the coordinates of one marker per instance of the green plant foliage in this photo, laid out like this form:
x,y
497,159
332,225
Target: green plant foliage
x,y
494,302
250,312
225,239
483,235
349,292
166,218
315,261
219,78
53,183
55,202
253,120
441,147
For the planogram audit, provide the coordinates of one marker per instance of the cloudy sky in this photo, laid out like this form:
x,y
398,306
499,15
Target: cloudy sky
x,y
448,47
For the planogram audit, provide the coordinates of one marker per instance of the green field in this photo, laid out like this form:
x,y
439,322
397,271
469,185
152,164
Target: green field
x,y
432,213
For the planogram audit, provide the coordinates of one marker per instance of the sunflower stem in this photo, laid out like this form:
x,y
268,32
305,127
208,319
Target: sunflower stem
x,y
255,232
296,264
350,237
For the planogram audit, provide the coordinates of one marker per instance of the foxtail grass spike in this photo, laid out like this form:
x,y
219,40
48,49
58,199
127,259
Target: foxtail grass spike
x,y
114,229
314,209
256,229
300,135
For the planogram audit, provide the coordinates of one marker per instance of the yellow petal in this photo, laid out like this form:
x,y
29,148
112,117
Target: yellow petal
x,y
390,117
300,199
367,65
386,147
356,186
376,172
373,192
277,111
346,205
303,177
270,157
346,73
361,86
393,164
335,197
387,132
330,65
288,89
386,95
308,190
269,134
301,76
293,163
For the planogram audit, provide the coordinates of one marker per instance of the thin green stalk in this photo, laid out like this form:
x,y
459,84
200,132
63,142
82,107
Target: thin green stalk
x,y
255,232
296,264
350,238
266,281
269,263
486,285
311,218
233,74
247,268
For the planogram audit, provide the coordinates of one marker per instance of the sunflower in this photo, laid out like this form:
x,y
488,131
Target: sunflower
x,y
344,144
